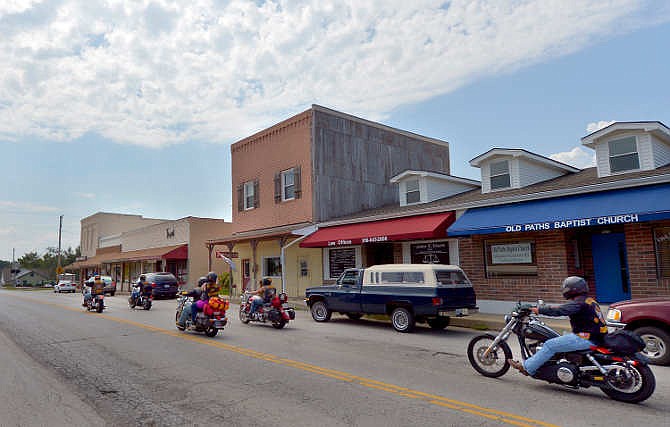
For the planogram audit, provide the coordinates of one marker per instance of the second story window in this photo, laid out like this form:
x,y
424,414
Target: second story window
x,y
247,196
287,185
500,175
623,155
413,193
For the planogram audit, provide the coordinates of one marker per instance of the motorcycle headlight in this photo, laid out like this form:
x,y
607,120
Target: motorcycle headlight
x,y
613,314
507,318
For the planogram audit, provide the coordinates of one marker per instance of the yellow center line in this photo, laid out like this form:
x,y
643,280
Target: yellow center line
x,y
444,402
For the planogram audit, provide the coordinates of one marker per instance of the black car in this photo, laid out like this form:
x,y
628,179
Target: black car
x,y
164,284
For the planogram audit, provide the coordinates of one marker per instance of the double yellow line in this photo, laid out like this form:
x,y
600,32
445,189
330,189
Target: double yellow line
x,y
492,414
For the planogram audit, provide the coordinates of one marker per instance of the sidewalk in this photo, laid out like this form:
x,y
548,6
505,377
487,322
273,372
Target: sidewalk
x,y
479,321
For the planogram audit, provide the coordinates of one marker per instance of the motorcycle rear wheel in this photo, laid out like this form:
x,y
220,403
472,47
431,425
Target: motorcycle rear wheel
x,y
279,324
99,308
490,365
211,332
635,390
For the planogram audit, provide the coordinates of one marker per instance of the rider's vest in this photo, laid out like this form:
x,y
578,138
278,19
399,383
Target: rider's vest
x,y
269,293
589,322
212,290
98,287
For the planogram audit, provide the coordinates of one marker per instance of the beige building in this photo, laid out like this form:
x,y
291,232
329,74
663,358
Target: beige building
x,y
124,246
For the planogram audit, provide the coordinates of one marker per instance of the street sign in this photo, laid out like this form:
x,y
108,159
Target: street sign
x,y
60,270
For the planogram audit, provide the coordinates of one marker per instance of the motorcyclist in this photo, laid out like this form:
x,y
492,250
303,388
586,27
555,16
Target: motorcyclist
x,y
96,288
189,310
586,319
262,295
210,288
140,288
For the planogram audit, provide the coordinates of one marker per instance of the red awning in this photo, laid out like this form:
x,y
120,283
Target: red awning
x,y
389,230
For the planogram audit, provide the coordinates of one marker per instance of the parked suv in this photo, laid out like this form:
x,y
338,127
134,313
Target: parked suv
x,y
650,319
164,284
110,285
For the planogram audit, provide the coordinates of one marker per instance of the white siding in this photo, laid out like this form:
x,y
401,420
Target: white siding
x,y
645,151
439,189
531,173
660,152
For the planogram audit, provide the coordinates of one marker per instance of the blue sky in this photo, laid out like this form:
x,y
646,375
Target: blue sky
x,y
131,107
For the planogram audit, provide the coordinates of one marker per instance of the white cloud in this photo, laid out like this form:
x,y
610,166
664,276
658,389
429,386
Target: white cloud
x,y
85,195
595,126
156,73
6,205
578,157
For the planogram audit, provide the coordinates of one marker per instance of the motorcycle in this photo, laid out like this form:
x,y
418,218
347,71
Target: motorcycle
x,y
621,376
208,321
277,311
141,300
96,302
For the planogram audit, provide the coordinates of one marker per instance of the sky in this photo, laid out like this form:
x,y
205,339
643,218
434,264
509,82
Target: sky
x,y
131,107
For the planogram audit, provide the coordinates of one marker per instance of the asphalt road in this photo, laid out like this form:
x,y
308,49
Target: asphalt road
x,y
63,366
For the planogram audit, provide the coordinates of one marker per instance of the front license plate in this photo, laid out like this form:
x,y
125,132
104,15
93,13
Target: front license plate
x,y
166,286
461,312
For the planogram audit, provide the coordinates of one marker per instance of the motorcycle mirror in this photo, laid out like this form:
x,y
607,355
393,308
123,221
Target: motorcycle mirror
x,y
540,302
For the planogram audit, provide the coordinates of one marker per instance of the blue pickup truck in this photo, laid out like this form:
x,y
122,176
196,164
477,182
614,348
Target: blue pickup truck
x,y
408,293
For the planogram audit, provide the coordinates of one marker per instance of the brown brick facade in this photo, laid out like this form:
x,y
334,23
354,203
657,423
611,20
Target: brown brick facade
x,y
557,258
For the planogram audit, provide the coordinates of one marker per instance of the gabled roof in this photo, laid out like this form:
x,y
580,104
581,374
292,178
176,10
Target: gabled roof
x,y
519,152
437,175
655,127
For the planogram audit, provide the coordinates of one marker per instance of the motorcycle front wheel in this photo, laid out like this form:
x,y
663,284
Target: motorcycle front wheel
x,y
244,316
494,364
631,384
176,321
131,302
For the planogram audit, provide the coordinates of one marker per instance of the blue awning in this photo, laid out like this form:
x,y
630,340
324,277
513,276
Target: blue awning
x,y
637,204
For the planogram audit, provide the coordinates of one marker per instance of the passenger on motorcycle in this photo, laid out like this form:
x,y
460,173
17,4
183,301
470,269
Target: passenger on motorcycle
x,y
210,288
98,288
588,325
262,295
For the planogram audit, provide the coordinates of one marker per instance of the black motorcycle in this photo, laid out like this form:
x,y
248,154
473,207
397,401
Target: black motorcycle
x,y
140,300
623,376
208,321
95,303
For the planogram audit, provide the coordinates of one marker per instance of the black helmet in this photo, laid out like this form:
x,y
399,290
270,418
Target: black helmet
x,y
202,281
143,278
573,286
266,282
211,277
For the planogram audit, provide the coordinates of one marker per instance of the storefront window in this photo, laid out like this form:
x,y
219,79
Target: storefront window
x,y
662,243
510,258
339,260
272,267
430,253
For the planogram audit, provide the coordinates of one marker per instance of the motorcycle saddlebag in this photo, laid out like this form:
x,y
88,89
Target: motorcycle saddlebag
x,y
291,313
624,342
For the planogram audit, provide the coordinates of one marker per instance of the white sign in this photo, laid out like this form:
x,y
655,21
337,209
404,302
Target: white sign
x,y
513,253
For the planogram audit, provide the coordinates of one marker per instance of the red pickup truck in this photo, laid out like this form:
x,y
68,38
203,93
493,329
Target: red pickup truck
x,y
650,319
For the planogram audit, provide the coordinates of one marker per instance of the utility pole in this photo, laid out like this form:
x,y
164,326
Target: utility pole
x,y
59,270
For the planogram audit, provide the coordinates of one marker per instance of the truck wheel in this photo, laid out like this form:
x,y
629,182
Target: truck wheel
x,y
402,320
438,322
320,312
657,344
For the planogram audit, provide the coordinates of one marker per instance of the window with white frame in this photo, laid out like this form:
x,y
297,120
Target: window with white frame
x,y
288,184
272,267
623,154
500,177
249,195
412,191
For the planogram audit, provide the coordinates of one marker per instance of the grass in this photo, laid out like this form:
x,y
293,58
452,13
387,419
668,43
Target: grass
x,y
26,288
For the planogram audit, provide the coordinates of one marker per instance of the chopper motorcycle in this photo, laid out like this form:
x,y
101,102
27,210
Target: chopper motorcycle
x,y
277,311
622,375
139,298
209,321
95,303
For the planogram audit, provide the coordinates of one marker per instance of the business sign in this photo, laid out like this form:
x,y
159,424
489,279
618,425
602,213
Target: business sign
x,y
227,254
572,223
512,253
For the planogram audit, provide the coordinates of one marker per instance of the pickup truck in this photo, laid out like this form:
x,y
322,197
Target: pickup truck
x,y
408,293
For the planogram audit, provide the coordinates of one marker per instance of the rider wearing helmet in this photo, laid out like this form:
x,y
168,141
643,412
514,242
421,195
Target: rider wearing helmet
x,y
197,294
263,294
211,286
586,319
97,287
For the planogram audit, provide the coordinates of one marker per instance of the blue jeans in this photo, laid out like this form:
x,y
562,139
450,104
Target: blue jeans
x,y
562,344
256,302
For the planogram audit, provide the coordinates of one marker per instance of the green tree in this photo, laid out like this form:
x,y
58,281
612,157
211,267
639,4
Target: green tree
x,y
48,262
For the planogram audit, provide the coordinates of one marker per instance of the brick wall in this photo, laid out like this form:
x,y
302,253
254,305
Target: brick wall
x,y
642,260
